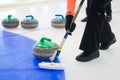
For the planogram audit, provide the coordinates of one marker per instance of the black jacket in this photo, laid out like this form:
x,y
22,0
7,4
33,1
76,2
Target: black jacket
x,y
98,6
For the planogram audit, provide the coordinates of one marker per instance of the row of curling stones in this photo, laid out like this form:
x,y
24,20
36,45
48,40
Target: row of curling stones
x,y
11,22
45,48
58,21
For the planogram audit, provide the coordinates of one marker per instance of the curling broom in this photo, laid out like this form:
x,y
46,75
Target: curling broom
x,y
53,64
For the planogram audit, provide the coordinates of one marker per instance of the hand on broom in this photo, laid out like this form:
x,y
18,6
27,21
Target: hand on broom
x,y
68,23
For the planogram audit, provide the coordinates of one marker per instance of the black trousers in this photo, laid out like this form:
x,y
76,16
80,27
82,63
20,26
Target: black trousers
x,y
88,6
97,31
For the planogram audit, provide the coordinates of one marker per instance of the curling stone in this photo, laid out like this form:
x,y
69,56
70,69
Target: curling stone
x,y
10,22
45,48
58,21
29,22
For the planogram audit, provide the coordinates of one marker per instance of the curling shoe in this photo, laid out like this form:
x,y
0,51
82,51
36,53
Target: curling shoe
x,y
107,45
87,56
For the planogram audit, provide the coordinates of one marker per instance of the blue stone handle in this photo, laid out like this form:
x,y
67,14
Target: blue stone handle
x,y
30,17
59,15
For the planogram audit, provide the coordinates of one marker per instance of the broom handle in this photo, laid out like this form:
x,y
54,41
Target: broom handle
x,y
55,56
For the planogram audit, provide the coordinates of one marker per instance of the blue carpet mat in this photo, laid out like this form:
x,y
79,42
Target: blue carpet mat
x,y
17,61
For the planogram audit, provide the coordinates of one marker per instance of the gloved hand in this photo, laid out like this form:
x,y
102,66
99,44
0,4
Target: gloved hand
x,y
68,23
108,18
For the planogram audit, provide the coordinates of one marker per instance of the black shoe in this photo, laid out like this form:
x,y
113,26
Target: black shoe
x,y
87,56
85,19
107,45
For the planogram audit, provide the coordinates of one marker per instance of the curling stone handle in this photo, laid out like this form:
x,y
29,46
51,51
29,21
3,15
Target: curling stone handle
x,y
45,43
10,17
43,40
62,17
30,16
